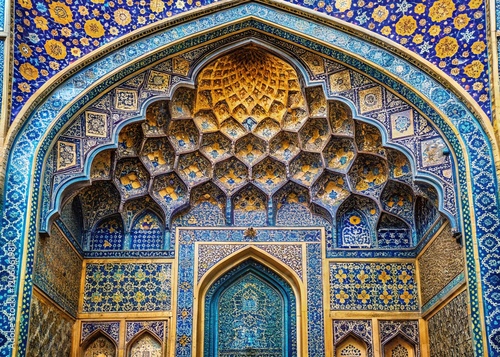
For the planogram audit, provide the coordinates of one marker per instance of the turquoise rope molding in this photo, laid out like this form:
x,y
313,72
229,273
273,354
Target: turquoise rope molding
x,y
445,292
36,134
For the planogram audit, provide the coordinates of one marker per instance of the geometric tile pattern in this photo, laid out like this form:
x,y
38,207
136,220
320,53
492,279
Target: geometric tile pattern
x,y
264,336
107,235
432,31
127,287
407,329
436,272
478,155
371,286
146,233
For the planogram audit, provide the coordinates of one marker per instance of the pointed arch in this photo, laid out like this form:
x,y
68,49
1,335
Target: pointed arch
x,y
145,341
250,206
392,232
399,346
249,260
99,344
351,346
147,231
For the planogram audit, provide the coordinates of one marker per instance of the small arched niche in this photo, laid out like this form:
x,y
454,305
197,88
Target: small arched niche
x,y
145,345
250,207
399,347
108,234
238,307
99,345
147,231
351,346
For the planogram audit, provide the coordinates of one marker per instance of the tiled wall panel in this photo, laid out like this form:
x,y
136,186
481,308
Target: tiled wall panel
x,y
449,330
58,270
439,264
49,331
126,287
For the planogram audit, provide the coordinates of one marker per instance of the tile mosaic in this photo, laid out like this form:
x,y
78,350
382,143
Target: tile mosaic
x,y
373,286
481,166
128,287
187,282
430,31
135,328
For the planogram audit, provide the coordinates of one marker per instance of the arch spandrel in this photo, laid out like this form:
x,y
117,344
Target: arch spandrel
x,y
382,22
464,134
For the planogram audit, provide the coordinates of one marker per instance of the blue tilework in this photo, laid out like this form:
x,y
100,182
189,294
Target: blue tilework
x,y
107,235
237,310
186,284
458,280
2,60
373,286
2,16
147,233
359,328
479,153
127,287
315,308
136,327
63,33
58,271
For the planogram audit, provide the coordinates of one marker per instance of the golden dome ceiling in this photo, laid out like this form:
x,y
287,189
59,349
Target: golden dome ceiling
x,y
251,88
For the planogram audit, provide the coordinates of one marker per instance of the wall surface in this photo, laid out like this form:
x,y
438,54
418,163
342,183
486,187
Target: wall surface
x,y
49,332
449,331
125,287
480,184
58,270
440,264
